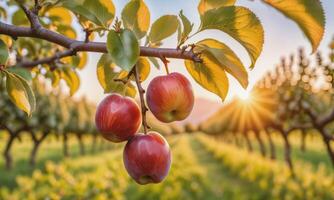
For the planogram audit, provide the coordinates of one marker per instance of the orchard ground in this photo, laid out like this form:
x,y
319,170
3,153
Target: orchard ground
x,y
196,173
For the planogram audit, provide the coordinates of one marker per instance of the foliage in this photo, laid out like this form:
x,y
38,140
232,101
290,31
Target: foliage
x,y
210,60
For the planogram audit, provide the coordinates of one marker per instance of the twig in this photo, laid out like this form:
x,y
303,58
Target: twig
x,y
88,33
48,60
142,101
32,17
37,7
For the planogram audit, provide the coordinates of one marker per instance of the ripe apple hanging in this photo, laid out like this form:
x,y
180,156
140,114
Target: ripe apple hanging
x,y
170,98
147,158
118,118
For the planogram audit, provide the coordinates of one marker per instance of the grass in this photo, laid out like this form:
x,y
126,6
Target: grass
x,y
50,150
195,173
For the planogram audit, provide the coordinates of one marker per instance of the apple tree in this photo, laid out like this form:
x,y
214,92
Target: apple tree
x,y
40,37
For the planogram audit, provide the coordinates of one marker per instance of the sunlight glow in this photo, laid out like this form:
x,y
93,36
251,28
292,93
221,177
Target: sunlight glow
x,y
244,95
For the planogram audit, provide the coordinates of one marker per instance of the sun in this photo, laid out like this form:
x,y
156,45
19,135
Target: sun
x,y
244,95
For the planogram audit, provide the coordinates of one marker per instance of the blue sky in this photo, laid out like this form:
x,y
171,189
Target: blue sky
x,y
282,37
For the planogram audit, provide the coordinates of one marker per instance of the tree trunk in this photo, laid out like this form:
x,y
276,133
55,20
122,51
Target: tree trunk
x,y
7,155
271,145
303,141
37,143
65,145
248,142
81,144
261,144
287,152
327,142
329,150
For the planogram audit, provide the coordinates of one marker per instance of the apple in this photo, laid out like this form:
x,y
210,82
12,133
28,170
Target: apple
x,y
147,158
118,118
170,98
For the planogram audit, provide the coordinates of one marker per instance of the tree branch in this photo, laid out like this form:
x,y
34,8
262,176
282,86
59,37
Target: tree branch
x,y
40,32
327,119
142,101
48,60
299,126
32,17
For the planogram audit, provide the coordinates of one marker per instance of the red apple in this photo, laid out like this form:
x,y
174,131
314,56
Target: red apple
x,y
118,118
170,98
147,158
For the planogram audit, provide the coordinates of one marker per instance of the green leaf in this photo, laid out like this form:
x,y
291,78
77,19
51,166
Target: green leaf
x,y
209,74
187,27
71,78
205,5
100,12
162,28
20,93
106,73
4,53
241,24
155,62
123,48
80,10
226,58
25,73
19,18
136,17
308,14
104,10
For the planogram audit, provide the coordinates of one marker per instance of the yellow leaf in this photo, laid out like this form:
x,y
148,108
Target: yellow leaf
x,y
106,75
83,60
308,14
241,24
227,59
209,74
18,93
136,17
61,14
72,79
105,70
144,69
205,5
55,78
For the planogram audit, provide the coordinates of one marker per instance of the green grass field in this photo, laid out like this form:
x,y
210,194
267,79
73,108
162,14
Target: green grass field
x,y
201,169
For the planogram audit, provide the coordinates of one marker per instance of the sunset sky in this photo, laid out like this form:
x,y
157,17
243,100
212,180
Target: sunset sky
x,y
282,37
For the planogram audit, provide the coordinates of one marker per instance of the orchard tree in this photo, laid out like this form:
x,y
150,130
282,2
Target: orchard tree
x,y
39,36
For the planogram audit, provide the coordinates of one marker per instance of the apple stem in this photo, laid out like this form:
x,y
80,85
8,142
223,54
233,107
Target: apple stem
x,y
141,91
166,68
165,61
